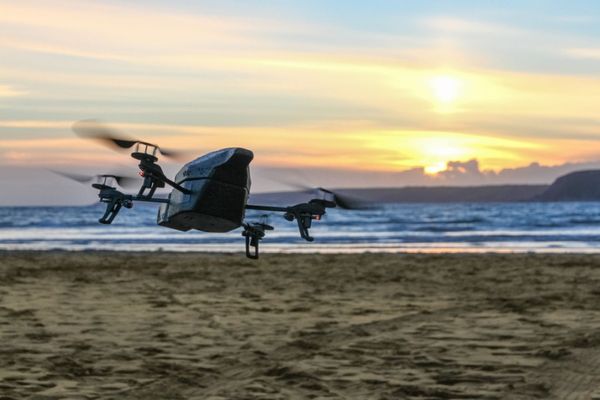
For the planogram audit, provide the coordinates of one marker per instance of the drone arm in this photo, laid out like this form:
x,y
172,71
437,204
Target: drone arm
x,y
304,221
149,200
152,182
154,177
176,186
266,208
303,213
115,200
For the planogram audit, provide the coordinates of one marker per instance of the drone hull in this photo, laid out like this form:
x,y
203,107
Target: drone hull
x,y
219,183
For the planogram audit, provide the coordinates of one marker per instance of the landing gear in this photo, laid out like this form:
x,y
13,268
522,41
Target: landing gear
x,y
254,232
112,197
113,207
115,199
303,213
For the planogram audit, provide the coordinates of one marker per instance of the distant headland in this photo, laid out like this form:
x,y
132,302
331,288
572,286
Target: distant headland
x,y
575,186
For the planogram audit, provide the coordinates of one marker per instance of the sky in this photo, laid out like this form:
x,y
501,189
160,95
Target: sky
x,y
341,93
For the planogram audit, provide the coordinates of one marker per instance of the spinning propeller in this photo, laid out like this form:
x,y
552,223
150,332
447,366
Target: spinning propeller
x,y
145,152
123,181
344,202
108,193
92,129
213,202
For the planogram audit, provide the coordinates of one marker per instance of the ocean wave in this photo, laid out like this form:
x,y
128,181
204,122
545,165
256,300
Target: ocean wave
x,y
398,226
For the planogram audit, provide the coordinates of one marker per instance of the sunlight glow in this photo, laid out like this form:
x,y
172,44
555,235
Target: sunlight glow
x,y
445,89
435,168
269,85
431,150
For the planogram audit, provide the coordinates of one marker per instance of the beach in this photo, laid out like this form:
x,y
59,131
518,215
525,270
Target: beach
x,y
124,325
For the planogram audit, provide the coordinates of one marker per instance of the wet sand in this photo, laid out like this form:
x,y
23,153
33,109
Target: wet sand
x,y
380,326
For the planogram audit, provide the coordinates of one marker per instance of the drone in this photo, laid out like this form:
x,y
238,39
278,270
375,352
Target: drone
x,y
209,193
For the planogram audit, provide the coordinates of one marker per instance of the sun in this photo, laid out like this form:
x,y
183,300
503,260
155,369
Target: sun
x,y
435,168
446,89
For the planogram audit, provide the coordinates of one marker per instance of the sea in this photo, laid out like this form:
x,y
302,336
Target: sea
x,y
431,228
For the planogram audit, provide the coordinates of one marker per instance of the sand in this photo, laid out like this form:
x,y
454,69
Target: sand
x,y
202,326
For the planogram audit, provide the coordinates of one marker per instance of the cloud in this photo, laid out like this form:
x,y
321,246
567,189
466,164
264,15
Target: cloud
x,y
8,91
458,169
470,173
33,46
462,25
25,184
135,34
206,81
589,53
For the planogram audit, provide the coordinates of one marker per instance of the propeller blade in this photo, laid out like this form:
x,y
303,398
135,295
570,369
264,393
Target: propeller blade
x,y
320,189
174,154
123,143
127,181
342,201
350,203
92,129
74,177
123,181
294,184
